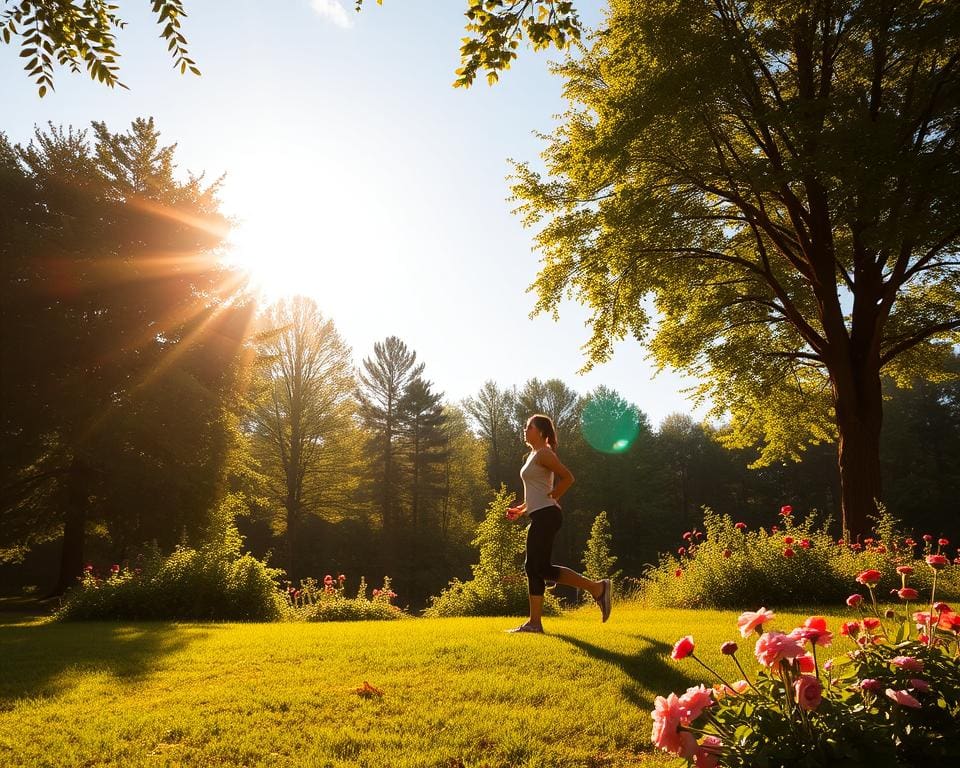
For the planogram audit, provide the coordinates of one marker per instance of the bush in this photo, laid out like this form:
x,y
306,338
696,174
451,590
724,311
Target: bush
x,y
793,563
311,602
214,582
499,585
892,700
598,561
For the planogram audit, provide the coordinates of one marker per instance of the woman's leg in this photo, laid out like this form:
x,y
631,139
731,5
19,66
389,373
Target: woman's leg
x,y
540,534
573,579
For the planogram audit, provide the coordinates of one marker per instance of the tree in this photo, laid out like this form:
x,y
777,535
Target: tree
x,y
781,180
421,428
383,380
84,34
598,560
493,412
554,399
117,321
76,34
302,417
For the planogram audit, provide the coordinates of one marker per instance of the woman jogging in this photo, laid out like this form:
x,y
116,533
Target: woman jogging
x,y
545,480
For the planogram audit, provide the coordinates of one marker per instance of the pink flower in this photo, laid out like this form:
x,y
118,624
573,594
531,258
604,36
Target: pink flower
x,y
937,561
814,634
683,648
693,702
708,753
328,580
908,593
805,543
927,538
341,578
919,685
114,568
854,600
788,540
869,578
728,648
667,714
806,664
904,570
943,542
940,607
740,526
871,623
788,552
809,692
687,535
908,663
850,628
903,698
785,510
682,551
773,647
751,620
869,684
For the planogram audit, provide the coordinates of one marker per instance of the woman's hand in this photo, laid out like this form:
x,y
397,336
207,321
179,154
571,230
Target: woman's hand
x,y
514,512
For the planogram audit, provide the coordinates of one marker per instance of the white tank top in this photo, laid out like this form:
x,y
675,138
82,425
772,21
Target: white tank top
x,y
537,484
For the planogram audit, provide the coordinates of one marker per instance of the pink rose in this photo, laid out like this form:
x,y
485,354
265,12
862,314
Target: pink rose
x,y
773,647
809,692
683,648
788,540
806,664
937,561
693,702
740,526
751,620
919,685
785,510
907,593
908,663
666,723
708,753
904,570
869,684
903,698
854,600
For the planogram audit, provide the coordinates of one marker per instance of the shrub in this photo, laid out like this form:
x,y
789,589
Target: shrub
x,y
792,563
892,700
311,602
499,585
598,561
214,582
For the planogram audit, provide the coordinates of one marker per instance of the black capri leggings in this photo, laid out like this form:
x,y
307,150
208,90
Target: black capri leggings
x,y
544,524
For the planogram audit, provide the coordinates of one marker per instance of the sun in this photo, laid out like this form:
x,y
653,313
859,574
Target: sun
x,y
275,255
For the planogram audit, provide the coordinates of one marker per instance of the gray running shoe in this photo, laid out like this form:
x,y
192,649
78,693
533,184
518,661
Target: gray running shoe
x,y
525,628
605,601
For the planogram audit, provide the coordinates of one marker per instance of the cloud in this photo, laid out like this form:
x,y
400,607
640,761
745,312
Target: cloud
x,y
333,11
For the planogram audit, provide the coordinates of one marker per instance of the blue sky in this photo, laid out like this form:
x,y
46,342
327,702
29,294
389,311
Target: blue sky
x,y
361,177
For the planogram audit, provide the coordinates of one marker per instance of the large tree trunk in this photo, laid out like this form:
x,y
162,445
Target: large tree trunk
x,y
859,410
74,523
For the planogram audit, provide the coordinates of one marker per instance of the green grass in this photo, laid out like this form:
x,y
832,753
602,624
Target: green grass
x,y
456,692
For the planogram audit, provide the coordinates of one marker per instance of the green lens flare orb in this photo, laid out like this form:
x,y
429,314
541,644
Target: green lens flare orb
x,y
609,424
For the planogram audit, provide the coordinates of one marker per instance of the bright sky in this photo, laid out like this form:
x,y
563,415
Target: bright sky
x,y
361,177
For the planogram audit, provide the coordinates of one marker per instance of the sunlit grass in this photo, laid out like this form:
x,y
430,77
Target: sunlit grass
x,y
456,692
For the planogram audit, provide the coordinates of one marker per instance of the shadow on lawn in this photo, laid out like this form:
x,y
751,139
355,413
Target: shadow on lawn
x,y
43,659
650,668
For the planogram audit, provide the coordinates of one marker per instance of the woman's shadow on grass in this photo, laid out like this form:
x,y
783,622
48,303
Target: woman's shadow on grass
x,y
650,668
44,659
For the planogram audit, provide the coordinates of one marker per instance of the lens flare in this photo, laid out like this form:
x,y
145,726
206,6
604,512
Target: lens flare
x,y
609,424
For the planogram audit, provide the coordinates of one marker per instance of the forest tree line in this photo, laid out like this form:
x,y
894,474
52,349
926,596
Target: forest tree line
x,y
147,401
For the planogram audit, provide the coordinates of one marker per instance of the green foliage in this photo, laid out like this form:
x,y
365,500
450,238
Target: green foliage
x,y
598,561
329,602
75,34
718,566
213,582
499,585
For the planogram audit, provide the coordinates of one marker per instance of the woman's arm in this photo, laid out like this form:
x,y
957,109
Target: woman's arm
x,y
563,476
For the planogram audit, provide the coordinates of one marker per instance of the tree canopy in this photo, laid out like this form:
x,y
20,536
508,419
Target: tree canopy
x,y
777,184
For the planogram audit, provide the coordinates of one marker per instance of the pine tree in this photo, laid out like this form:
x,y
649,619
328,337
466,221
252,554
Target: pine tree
x,y
598,561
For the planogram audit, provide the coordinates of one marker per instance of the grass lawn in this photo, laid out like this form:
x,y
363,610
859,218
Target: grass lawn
x,y
456,693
